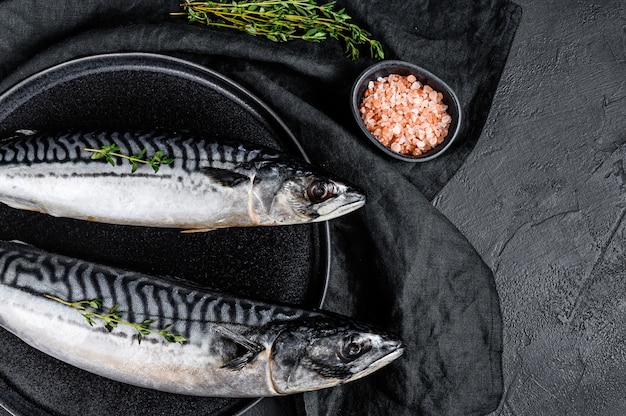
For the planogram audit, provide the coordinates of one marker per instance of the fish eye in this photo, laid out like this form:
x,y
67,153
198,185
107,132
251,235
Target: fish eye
x,y
352,347
319,191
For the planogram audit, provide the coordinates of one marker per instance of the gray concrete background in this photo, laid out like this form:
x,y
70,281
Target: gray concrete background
x,y
543,199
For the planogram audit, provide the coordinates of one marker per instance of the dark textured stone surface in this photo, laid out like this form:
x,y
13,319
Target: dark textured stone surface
x,y
542,198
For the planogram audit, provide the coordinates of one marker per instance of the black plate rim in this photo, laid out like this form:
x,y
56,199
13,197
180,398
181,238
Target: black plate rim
x,y
180,67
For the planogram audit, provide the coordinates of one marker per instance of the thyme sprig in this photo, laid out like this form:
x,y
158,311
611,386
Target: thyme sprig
x,y
284,20
111,152
92,310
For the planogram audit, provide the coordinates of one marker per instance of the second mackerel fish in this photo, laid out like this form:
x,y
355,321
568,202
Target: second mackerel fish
x,y
203,343
208,185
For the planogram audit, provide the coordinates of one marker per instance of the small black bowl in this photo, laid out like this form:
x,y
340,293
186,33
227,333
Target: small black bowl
x,y
385,68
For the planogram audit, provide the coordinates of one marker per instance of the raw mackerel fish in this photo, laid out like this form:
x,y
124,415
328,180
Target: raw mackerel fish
x,y
232,347
209,185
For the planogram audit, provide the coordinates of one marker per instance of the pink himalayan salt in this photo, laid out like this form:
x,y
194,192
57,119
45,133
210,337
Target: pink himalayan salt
x,y
404,115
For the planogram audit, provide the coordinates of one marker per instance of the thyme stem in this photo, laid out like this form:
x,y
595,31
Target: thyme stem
x,y
89,309
283,20
110,152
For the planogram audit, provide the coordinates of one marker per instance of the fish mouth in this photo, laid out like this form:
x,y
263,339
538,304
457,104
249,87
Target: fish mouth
x,y
351,200
392,356
380,363
358,200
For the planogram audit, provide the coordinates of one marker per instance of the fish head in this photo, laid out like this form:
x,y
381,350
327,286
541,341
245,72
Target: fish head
x,y
294,194
324,353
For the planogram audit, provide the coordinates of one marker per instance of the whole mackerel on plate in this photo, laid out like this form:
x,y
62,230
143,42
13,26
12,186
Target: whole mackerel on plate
x,y
208,185
232,347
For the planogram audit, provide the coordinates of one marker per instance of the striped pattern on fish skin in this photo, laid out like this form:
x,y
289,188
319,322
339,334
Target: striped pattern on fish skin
x,y
235,347
209,185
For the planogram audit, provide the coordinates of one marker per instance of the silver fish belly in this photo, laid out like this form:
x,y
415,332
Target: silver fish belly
x,y
232,347
208,185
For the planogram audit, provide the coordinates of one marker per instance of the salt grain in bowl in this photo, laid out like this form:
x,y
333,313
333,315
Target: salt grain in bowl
x,y
405,115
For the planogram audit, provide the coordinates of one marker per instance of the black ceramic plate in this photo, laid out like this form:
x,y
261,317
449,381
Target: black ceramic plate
x,y
284,264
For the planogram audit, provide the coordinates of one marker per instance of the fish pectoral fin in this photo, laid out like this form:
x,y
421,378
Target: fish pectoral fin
x,y
252,349
240,362
224,176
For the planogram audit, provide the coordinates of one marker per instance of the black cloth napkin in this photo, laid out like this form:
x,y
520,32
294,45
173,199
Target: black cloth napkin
x,y
398,262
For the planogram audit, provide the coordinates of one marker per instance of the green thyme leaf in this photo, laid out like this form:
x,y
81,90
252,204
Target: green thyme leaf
x,y
92,310
280,21
109,159
89,319
110,154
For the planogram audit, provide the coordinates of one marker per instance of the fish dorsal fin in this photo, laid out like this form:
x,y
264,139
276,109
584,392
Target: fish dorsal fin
x,y
224,176
252,348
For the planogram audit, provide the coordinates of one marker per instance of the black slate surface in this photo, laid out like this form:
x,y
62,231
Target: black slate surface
x,y
398,262
542,200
